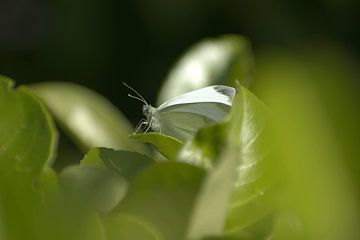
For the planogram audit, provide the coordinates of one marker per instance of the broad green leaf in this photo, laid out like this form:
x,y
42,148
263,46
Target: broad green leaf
x,y
125,226
125,164
88,118
166,145
27,145
27,133
210,210
159,203
69,220
224,238
234,152
102,177
89,187
93,159
318,194
221,60
249,203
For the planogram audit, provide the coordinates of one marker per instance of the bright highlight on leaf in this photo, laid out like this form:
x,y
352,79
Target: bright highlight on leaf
x,y
221,60
89,118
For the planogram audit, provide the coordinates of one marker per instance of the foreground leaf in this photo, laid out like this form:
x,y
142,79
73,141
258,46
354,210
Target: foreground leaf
x,y
102,178
28,137
318,197
166,145
27,146
253,187
234,152
158,204
125,164
92,190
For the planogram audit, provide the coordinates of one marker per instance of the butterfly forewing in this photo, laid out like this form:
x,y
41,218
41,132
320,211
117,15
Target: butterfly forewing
x,y
217,93
212,111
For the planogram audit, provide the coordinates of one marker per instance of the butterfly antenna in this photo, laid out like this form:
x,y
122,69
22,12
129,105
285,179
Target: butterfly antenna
x,y
138,97
135,97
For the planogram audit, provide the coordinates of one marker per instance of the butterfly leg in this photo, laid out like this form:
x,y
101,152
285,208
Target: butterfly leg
x,y
141,123
149,125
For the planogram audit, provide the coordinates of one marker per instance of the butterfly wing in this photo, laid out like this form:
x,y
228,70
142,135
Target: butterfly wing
x,y
183,115
215,94
176,124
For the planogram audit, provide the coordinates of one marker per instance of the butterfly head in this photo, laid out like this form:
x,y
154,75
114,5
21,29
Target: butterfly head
x,y
149,111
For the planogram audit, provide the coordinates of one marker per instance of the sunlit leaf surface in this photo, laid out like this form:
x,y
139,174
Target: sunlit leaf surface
x,y
88,117
221,60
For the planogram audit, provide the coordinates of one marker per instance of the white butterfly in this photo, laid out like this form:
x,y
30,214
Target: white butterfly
x,y
183,115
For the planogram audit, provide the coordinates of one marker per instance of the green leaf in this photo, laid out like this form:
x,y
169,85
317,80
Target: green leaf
x,y
224,238
235,153
158,204
88,187
88,117
166,145
125,226
28,137
249,203
221,60
123,163
212,202
102,177
319,197
27,146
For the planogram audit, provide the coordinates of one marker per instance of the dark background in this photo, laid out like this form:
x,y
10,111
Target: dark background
x,y
100,43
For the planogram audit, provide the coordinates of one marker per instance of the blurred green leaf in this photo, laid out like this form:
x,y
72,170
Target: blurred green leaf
x,y
166,145
211,206
125,164
125,226
221,60
28,136
92,188
27,147
317,192
158,204
102,177
88,117
224,238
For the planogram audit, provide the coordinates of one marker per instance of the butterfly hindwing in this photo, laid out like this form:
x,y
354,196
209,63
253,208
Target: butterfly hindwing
x,y
182,125
183,120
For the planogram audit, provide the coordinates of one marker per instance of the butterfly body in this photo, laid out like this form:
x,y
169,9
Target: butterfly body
x,y
151,115
183,115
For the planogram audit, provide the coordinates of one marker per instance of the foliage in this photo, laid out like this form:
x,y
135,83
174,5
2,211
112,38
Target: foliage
x,y
262,173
